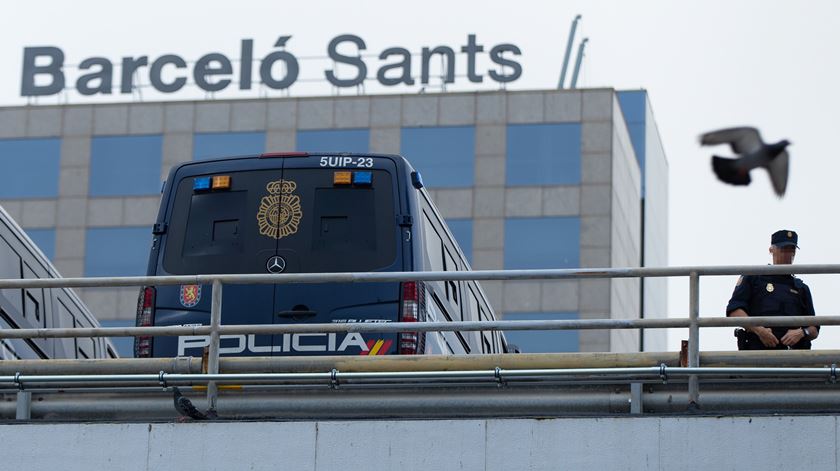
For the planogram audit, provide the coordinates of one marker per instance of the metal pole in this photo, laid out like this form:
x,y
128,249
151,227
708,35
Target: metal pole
x,y
24,405
635,398
693,337
213,358
304,364
568,52
655,374
456,402
578,61
377,277
391,327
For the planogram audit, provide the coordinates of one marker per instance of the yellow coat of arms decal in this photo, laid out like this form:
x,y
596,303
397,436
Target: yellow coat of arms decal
x,y
280,213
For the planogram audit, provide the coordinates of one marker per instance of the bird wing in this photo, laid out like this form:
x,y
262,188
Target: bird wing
x,y
778,170
729,171
742,140
185,407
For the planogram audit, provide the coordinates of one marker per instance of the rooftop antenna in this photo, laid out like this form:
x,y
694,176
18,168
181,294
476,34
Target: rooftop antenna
x,y
577,62
568,52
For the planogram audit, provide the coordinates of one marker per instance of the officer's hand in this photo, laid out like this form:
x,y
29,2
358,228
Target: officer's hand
x,y
792,337
766,336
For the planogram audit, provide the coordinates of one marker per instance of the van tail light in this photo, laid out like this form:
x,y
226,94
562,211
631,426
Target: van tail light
x,y
145,318
413,309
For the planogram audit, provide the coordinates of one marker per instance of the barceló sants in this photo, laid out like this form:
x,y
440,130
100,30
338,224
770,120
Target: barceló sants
x,y
44,69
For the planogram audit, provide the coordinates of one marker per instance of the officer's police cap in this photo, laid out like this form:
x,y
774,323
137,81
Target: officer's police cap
x,y
784,238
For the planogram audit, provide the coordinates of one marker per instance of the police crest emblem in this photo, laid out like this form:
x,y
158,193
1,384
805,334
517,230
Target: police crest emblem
x,y
770,287
280,212
190,295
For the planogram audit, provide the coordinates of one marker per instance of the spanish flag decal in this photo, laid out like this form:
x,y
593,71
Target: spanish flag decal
x,y
377,347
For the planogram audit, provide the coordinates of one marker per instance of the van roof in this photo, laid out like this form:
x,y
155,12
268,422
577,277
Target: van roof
x,y
294,154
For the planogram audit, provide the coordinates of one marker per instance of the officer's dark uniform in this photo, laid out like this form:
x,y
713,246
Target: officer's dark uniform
x,y
772,295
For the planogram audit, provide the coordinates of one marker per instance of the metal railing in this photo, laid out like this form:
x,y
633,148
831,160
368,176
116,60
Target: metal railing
x,y
693,322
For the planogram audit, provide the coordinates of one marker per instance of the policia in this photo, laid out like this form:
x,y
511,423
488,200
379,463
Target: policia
x,y
774,295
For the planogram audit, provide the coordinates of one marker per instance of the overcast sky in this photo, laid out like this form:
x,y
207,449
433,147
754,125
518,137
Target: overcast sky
x,y
706,65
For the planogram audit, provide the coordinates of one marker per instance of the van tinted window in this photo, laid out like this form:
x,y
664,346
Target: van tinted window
x,y
10,299
315,225
209,231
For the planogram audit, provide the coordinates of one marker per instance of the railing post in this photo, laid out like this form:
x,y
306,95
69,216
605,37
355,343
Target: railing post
x,y
693,337
636,406
213,356
24,405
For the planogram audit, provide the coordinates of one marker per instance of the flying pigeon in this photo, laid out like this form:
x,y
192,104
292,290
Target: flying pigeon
x,y
185,407
752,152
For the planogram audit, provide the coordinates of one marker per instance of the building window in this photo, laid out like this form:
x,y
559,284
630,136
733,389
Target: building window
x,y
543,154
444,156
637,138
543,341
542,243
462,230
125,165
226,144
124,345
44,239
117,251
29,168
334,140
633,105
634,108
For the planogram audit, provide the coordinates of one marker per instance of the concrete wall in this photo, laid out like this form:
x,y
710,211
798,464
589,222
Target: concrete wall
x,y
647,443
596,212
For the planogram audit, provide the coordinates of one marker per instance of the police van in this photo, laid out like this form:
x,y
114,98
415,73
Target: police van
x,y
300,212
40,308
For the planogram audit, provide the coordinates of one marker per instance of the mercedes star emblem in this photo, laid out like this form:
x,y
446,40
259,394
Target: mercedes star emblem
x,y
276,264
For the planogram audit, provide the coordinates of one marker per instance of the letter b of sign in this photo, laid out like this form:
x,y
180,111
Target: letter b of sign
x,y
53,69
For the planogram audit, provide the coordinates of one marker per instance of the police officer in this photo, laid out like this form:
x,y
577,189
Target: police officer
x,y
774,295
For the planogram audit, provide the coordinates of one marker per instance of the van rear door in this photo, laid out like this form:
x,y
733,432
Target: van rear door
x,y
347,208
216,231
283,215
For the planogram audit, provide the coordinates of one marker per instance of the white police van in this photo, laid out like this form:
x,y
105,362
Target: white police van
x,y
40,308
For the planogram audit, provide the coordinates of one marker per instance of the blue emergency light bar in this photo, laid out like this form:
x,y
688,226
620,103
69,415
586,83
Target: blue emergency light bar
x,y
362,178
201,183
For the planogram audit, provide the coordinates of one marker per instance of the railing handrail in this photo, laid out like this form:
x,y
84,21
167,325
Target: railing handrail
x,y
215,329
661,373
395,327
378,277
